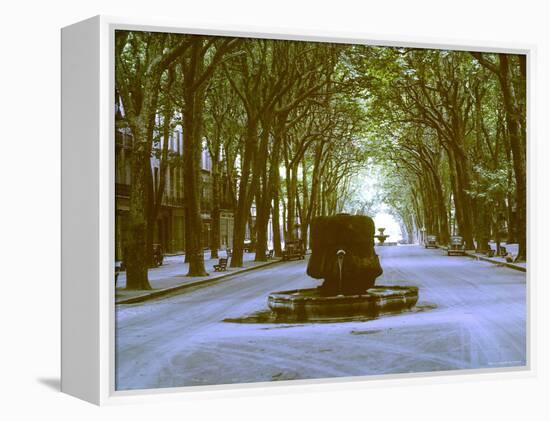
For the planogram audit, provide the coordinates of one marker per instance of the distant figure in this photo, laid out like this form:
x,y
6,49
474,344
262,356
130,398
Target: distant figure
x,y
342,253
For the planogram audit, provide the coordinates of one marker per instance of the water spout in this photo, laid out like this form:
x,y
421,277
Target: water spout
x,y
340,255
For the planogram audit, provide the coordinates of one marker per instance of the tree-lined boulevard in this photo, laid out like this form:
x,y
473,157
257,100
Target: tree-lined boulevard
x,y
471,314
297,130
433,139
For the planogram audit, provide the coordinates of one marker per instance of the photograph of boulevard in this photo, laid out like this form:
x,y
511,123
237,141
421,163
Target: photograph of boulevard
x,y
291,210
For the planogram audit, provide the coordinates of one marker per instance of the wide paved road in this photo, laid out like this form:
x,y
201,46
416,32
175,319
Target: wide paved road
x,y
470,314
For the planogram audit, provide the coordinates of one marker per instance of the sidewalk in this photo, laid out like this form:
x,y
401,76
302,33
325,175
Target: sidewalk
x,y
171,277
497,260
510,248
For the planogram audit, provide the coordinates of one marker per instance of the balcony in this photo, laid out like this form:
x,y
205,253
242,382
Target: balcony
x,y
172,201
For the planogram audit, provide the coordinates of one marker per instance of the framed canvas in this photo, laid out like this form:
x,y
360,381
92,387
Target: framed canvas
x,y
245,210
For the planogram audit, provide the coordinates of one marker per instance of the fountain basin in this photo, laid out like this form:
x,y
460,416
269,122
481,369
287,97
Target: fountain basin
x,y
311,305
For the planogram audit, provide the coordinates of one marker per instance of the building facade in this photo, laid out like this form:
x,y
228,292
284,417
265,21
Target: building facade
x,y
169,229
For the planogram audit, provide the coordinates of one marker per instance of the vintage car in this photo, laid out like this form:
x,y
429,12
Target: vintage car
x,y
430,241
294,249
456,245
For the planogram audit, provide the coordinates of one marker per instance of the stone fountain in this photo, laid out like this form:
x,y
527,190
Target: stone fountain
x,y
343,256
381,236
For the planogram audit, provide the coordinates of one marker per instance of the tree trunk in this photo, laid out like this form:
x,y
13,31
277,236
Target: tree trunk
x,y
461,184
277,249
442,210
304,223
136,234
517,140
262,221
514,106
263,193
152,214
186,231
157,187
291,202
215,216
192,147
245,198
483,227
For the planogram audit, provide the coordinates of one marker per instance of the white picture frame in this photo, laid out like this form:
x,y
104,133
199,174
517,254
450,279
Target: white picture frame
x,y
88,353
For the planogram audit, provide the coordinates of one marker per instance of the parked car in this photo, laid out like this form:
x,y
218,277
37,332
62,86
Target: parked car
x,y
456,245
294,249
430,241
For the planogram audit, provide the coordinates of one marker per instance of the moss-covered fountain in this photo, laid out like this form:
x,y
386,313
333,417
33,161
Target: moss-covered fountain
x,y
342,254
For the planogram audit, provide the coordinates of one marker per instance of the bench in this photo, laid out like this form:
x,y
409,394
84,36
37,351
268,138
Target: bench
x,y
269,254
221,266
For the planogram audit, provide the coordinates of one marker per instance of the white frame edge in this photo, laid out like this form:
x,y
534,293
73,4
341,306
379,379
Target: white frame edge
x,y
80,119
88,318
